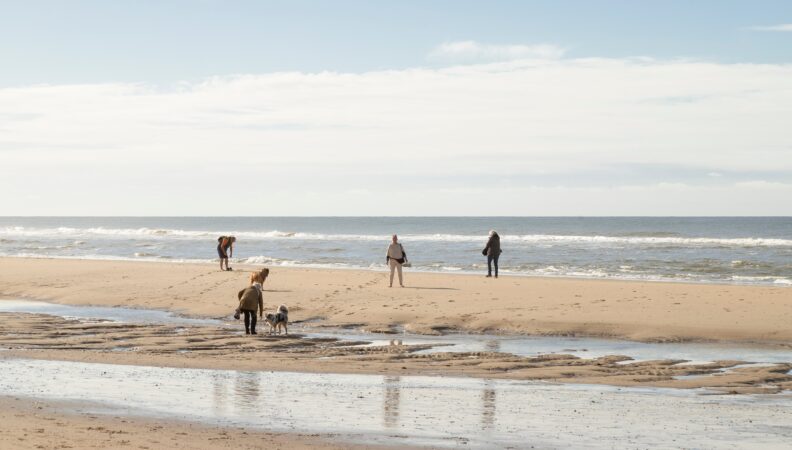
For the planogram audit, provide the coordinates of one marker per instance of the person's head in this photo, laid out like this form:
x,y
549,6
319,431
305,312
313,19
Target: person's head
x,y
492,233
264,274
231,239
395,239
255,277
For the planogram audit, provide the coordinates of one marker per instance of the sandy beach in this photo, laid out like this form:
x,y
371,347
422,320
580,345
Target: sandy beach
x,y
430,303
318,299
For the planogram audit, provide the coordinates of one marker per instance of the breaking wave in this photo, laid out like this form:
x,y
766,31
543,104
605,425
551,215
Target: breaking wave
x,y
536,239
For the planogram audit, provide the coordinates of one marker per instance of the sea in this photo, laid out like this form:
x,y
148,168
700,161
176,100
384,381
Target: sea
x,y
733,250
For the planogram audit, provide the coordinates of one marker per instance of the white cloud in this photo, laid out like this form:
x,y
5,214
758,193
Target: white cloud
x,y
402,141
472,51
783,27
761,184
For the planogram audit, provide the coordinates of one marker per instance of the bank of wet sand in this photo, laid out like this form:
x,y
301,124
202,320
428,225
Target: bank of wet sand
x,y
41,336
35,424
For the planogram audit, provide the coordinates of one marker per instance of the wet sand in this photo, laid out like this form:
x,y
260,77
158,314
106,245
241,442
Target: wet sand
x,y
434,412
58,425
431,303
41,336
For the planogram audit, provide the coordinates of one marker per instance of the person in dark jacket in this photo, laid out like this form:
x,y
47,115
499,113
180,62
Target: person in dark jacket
x,y
492,251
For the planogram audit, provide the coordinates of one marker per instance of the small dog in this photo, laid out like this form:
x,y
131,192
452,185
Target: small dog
x,y
279,320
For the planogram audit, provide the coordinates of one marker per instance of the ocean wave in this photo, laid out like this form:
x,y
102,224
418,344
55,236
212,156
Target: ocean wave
x,y
528,239
95,257
673,241
762,280
551,270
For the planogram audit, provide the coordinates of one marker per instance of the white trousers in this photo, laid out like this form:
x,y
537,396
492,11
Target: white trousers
x,y
394,265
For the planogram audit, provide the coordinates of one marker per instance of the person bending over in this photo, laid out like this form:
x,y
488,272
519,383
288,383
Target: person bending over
x,y
225,249
251,300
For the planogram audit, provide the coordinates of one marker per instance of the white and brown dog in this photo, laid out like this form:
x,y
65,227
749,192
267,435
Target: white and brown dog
x,y
279,320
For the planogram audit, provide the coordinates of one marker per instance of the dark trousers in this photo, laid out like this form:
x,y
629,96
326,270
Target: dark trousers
x,y
250,321
490,260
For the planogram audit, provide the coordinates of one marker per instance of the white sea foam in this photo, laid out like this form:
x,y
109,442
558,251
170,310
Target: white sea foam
x,y
761,279
96,257
536,239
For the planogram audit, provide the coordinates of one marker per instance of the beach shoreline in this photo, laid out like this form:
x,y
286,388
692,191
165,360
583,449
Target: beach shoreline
x,y
750,251
384,269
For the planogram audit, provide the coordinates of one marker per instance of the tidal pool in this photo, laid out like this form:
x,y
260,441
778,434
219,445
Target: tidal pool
x,y
696,352
414,410
410,410
113,314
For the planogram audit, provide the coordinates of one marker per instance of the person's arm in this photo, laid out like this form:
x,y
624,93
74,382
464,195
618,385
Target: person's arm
x,y
231,250
486,247
239,306
387,255
261,305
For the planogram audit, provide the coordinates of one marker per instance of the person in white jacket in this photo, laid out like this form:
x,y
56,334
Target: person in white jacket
x,y
395,257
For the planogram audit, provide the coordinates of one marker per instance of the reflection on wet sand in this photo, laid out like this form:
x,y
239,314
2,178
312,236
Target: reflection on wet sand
x,y
429,411
390,404
488,395
219,396
246,391
488,411
492,345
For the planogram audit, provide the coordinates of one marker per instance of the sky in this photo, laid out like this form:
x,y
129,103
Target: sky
x,y
395,108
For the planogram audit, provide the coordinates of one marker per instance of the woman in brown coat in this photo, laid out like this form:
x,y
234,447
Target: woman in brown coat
x,y
250,300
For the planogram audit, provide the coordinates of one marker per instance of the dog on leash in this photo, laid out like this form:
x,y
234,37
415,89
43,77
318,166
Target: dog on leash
x,y
279,320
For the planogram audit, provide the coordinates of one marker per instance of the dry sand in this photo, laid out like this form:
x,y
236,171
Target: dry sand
x,y
430,303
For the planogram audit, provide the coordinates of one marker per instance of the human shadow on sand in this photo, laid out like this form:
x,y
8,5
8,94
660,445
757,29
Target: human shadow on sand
x,y
432,288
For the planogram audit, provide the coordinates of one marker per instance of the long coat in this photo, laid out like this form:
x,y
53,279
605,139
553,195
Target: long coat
x,y
250,299
493,247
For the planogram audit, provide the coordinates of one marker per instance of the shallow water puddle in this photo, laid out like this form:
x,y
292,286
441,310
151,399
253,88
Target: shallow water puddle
x,y
434,411
127,315
700,353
